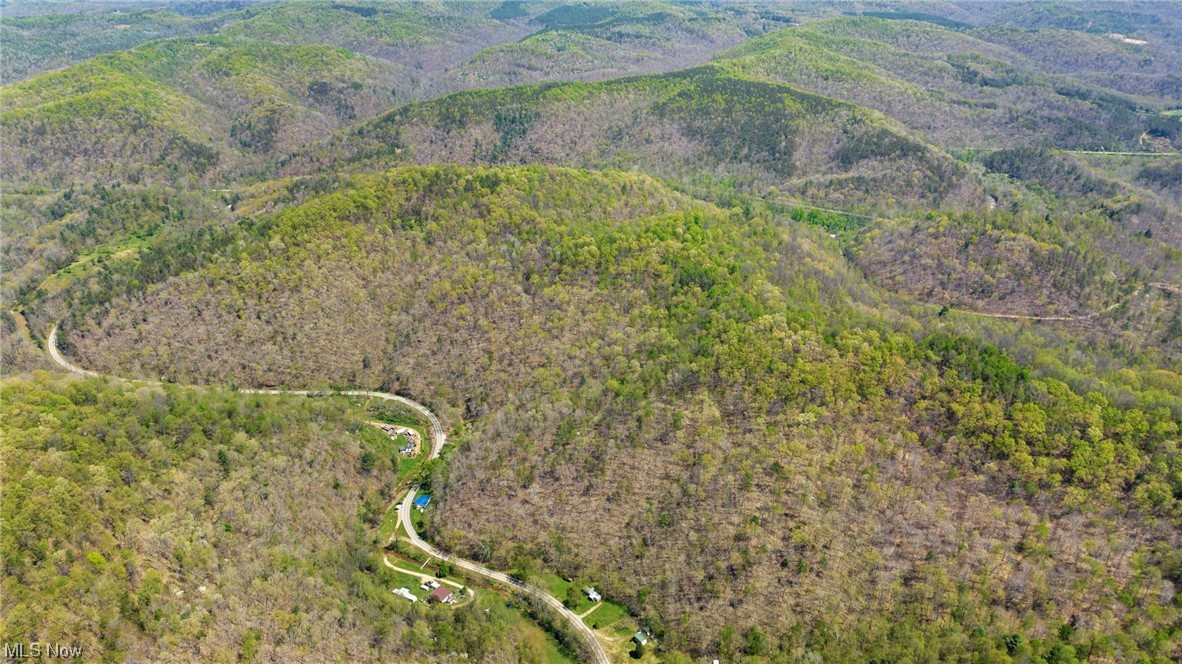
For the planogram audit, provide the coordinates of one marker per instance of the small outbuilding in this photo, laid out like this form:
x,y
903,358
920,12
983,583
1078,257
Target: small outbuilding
x,y
640,638
403,592
442,595
592,594
422,501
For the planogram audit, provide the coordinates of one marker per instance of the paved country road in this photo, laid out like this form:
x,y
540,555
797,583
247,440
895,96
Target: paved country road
x,y
600,655
438,438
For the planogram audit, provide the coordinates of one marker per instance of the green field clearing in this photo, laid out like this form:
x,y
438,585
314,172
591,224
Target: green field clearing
x,y
605,615
540,646
562,589
87,264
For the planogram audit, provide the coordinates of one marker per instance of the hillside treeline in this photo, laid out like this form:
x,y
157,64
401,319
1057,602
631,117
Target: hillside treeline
x,y
729,432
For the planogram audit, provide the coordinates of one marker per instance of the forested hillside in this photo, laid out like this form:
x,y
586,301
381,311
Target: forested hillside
x,y
202,525
1067,240
55,238
180,110
421,36
1124,213
441,46
730,428
700,126
40,39
265,78
954,86
1149,68
423,39
598,42
995,263
802,332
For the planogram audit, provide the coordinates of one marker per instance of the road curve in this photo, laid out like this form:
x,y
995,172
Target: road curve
x,y
438,438
57,356
597,651
438,435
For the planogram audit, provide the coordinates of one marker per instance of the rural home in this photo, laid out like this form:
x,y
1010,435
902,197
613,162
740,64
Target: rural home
x,y
643,636
442,595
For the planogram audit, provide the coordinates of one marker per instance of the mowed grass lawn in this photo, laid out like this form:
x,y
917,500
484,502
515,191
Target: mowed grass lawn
x,y
535,644
605,615
411,583
418,519
389,523
561,589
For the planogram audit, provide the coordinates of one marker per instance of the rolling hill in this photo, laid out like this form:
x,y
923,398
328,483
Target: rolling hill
x,y
804,332
53,239
170,537
269,77
596,42
682,401
1141,224
952,86
1110,62
44,37
1143,18
421,39
992,263
702,126
198,109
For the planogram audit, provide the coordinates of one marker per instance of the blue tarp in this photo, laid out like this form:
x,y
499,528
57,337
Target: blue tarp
x,y
422,501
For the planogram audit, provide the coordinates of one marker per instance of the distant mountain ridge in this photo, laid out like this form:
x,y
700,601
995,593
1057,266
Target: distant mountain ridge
x,y
192,109
694,125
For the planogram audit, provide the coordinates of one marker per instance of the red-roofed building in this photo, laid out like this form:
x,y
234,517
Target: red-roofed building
x,y
443,595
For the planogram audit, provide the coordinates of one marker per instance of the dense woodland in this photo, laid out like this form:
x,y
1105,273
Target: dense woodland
x,y
823,332
203,525
698,126
611,339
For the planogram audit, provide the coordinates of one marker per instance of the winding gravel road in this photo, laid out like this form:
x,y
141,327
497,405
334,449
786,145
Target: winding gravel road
x,y
438,438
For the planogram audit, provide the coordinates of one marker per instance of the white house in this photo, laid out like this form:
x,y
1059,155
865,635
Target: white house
x,y
592,595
